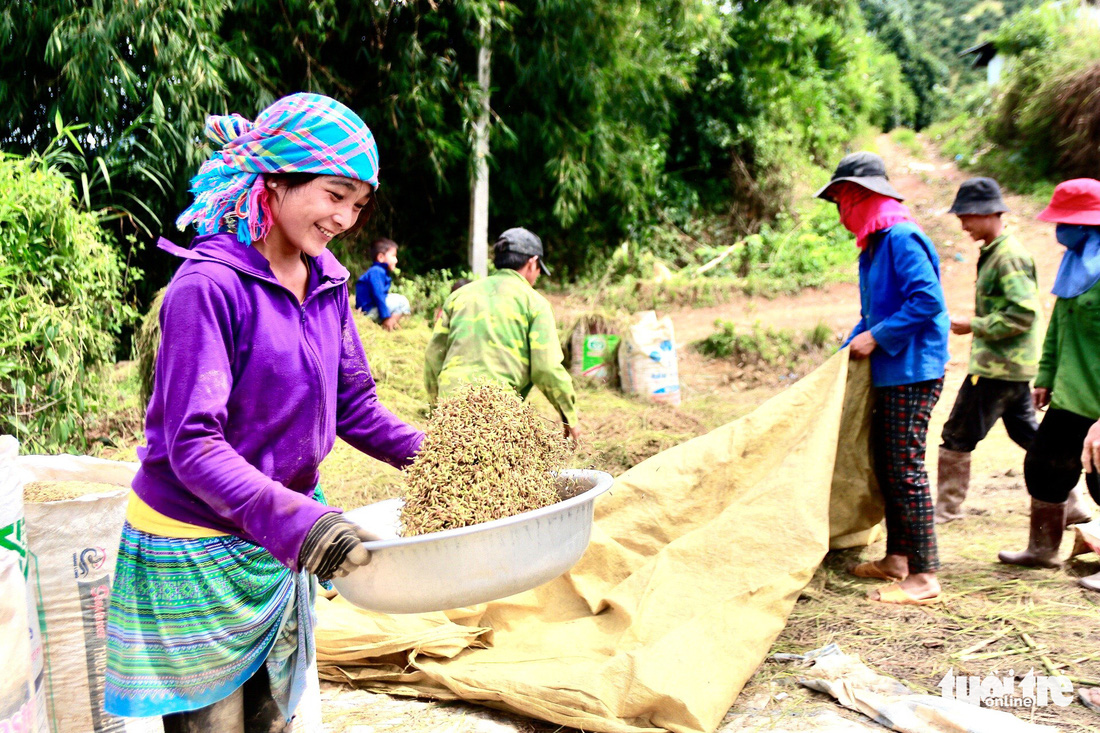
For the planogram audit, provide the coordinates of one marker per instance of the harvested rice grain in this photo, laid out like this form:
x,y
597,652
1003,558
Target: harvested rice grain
x,y
487,455
40,492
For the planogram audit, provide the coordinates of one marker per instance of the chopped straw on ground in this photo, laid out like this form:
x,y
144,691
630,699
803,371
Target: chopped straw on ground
x,y
487,455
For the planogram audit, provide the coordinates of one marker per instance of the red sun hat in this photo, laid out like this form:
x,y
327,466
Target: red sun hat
x,y
1076,201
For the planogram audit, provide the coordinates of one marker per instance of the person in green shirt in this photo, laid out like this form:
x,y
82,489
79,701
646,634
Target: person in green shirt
x,y
1068,379
1004,352
499,328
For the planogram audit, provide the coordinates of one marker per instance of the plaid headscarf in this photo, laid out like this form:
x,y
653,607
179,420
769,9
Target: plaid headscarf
x,y
302,133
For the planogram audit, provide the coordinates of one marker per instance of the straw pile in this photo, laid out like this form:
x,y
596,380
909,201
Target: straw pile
x,y
146,344
487,455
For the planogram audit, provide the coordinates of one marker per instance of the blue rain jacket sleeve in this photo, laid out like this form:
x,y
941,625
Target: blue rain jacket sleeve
x,y
903,307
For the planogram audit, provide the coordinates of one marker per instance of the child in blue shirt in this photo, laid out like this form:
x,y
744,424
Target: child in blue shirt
x,y
372,290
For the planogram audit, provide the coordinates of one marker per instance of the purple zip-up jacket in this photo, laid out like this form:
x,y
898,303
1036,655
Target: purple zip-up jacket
x,y
252,388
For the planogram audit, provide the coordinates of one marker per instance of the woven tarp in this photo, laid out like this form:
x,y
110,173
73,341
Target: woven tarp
x,y
697,556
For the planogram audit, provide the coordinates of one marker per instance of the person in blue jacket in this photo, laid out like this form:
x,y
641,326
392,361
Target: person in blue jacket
x,y
903,331
372,289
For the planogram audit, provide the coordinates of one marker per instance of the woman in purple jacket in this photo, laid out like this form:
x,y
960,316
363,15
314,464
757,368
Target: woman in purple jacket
x,y
260,367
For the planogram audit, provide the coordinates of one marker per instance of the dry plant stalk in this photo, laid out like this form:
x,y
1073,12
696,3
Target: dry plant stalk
x,y
40,492
486,455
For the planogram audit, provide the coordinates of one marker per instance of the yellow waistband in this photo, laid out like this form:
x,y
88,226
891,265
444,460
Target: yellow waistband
x,y
145,518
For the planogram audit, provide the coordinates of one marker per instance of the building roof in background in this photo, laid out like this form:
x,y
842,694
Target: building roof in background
x,y
983,53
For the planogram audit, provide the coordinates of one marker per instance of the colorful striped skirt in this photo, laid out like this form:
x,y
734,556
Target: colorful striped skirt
x,y
192,619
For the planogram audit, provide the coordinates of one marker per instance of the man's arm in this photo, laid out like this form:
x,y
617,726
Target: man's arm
x,y
547,371
437,353
1022,307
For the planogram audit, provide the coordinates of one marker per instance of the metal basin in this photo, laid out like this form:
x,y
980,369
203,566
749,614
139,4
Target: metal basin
x,y
476,564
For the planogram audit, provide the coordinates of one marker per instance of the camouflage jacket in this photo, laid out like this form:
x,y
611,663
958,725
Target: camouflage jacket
x,y
499,328
1006,308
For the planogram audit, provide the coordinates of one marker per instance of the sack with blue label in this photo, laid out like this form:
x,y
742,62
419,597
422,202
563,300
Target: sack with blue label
x,y
647,359
74,508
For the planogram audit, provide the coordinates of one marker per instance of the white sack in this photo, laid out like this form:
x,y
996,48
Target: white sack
x,y
17,709
13,539
73,545
647,359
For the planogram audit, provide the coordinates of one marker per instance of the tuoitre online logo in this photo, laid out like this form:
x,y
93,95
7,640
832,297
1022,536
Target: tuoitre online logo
x,y
88,560
1005,691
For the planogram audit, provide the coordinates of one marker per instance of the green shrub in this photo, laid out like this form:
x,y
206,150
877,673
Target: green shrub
x,y
61,282
787,255
426,293
1045,121
895,103
764,344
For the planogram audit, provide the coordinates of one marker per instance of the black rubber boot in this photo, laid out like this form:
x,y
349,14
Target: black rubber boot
x,y
952,485
226,716
1048,521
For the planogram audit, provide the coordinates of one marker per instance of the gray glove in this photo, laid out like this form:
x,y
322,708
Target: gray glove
x,y
334,547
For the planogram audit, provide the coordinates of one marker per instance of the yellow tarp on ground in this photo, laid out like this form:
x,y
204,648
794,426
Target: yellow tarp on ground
x,y
697,557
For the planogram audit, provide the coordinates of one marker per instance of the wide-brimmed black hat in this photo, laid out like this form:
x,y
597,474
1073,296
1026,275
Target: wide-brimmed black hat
x,y
523,241
864,169
978,196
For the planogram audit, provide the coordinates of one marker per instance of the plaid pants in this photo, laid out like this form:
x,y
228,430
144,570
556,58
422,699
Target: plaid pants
x,y
899,435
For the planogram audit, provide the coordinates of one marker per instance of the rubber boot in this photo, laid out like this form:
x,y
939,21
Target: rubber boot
x,y
1076,511
1092,582
953,481
1048,521
225,716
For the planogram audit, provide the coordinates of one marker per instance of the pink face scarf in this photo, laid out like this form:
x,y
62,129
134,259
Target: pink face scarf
x,y
864,212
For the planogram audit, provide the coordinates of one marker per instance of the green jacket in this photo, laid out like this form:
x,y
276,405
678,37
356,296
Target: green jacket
x,y
499,328
1070,367
1006,307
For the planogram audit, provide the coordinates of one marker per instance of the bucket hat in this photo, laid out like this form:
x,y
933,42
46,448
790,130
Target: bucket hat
x,y
978,196
864,169
1076,201
523,241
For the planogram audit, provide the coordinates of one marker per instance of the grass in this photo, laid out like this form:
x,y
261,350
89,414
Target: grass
x,y
683,290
